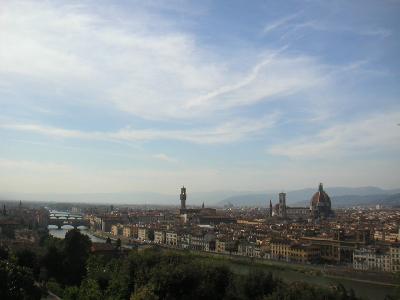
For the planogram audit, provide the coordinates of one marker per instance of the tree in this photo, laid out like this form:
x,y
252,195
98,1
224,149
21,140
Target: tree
x,y
3,253
90,290
76,252
17,282
118,244
71,293
144,293
27,258
151,235
258,284
52,262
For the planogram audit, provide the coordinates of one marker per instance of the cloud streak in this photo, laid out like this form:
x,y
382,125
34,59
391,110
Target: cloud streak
x,y
138,68
228,132
375,133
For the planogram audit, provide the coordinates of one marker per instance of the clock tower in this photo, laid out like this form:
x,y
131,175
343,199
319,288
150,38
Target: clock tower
x,y
183,197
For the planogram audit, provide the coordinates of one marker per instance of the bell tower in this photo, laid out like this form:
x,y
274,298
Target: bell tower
x,y
183,197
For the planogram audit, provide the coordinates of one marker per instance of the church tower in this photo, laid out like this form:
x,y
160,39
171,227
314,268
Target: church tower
x,y
183,197
270,208
282,205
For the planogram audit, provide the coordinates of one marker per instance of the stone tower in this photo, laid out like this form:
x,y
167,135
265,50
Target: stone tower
x,y
282,205
183,197
270,208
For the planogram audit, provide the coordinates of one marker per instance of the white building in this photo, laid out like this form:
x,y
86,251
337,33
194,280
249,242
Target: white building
x,y
369,259
143,234
394,252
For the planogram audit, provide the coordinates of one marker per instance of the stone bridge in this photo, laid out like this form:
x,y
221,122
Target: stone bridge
x,y
60,220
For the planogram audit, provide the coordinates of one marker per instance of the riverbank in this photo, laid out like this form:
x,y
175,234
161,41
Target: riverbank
x,y
362,284
327,271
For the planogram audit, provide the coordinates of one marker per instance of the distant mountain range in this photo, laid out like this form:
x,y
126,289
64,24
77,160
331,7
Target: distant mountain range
x,y
340,196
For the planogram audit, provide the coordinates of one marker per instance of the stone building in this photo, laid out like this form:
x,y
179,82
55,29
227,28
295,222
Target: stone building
x,y
320,204
371,259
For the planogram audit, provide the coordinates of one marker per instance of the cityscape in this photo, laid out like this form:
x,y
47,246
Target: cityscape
x,y
192,150
360,244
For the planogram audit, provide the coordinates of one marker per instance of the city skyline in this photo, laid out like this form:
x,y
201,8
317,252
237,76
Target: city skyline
x,y
134,97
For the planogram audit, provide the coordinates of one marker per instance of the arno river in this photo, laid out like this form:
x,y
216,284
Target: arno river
x,y
60,233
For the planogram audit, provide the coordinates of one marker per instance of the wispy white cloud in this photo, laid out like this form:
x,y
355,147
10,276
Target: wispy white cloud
x,y
319,25
136,66
374,133
279,23
228,132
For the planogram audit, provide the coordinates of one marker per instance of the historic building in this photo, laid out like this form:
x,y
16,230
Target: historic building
x,y
203,215
320,207
281,210
183,198
371,259
320,204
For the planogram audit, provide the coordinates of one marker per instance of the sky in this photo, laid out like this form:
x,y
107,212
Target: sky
x,y
145,96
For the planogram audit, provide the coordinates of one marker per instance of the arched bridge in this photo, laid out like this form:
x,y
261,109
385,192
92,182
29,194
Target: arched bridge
x,y
61,219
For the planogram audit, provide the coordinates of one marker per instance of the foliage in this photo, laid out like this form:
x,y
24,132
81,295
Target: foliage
x,y
17,282
52,261
305,291
258,283
55,287
153,274
151,235
118,243
144,293
3,253
89,290
76,252
71,293
28,258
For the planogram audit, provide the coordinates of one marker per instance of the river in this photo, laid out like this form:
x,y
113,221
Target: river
x,y
60,233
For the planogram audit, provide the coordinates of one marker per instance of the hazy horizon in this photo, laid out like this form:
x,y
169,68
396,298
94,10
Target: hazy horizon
x,y
210,198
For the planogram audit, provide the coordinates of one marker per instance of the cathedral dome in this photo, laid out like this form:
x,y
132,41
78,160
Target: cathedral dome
x,y
320,197
320,203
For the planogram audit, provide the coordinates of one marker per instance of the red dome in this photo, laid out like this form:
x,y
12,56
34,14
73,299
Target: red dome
x,y
320,203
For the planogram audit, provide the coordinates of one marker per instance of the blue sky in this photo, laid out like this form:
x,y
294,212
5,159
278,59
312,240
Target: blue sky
x,y
122,96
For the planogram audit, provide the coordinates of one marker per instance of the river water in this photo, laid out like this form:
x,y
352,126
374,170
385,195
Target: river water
x,y
60,233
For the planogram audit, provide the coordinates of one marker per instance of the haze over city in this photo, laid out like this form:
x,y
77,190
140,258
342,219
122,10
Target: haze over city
x,y
145,96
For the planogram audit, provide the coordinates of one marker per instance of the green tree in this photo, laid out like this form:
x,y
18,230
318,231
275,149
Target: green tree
x,y
76,252
90,290
27,258
144,293
52,262
97,269
71,293
118,244
120,285
17,282
3,253
258,284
